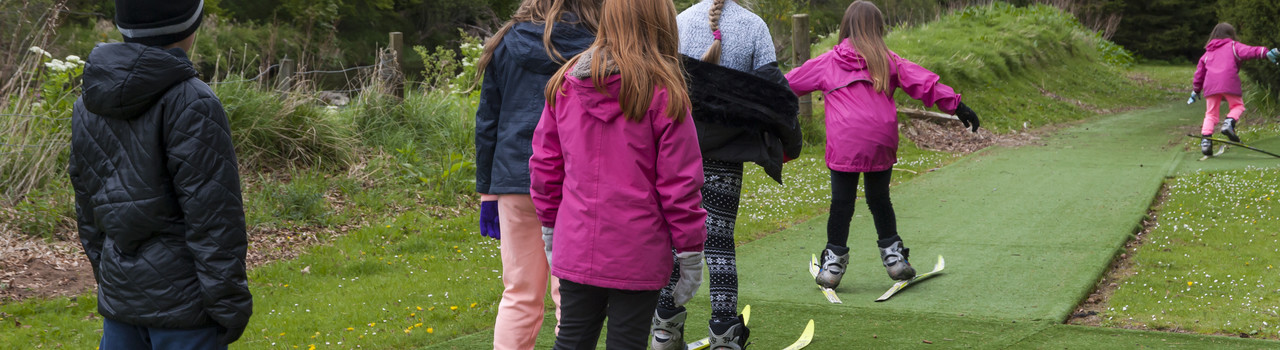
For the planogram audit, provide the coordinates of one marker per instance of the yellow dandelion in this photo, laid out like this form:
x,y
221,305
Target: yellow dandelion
x,y
408,330
312,347
388,226
431,308
351,329
412,314
453,308
459,250
286,286
473,304
371,324
419,308
281,334
1189,283
430,330
419,324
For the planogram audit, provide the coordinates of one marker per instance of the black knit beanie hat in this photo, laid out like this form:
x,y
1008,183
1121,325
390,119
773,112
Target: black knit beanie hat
x,y
158,22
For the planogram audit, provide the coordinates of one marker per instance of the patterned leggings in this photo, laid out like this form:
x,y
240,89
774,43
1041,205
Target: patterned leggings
x,y
720,199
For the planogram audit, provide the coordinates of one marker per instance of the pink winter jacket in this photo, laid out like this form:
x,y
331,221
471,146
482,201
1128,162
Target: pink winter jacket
x,y
862,124
619,194
1218,71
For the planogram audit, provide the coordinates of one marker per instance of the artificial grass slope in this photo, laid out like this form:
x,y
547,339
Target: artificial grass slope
x,y
1026,232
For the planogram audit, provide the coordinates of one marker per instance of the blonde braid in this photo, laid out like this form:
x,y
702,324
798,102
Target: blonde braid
x,y
713,52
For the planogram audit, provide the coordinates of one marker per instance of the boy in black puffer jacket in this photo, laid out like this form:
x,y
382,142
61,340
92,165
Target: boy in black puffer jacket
x,y
157,188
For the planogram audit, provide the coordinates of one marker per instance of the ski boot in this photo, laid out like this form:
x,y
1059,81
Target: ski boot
x,y
1206,147
895,261
833,266
1229,129
668,329
729,334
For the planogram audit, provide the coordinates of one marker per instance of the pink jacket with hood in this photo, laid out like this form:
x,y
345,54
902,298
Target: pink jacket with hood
x,y
862,124
619,194
1218,71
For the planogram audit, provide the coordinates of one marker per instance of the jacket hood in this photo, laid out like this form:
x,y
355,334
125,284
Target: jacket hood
x,y
850,59
1216,43
123,80
606,106
525,42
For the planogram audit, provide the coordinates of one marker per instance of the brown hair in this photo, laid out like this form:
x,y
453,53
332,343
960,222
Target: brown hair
x,y
863,25
1223,30
547,12
713,53
640,37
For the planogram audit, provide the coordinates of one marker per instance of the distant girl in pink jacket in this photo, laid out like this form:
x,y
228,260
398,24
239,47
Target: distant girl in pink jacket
x,y
858,78
1218,77
616,173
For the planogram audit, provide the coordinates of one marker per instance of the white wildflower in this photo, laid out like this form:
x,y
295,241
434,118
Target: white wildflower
x,y
38,50
75,59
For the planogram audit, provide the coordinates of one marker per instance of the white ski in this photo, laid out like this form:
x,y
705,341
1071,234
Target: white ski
x,y
805,338
705,342
937,268
828,292
1215,154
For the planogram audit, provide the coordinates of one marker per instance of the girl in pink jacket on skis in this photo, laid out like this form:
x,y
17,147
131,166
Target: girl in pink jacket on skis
x,y
616,175
858,78
1218,78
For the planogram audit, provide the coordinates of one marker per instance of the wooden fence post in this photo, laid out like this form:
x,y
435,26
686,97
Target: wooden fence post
x,y
800,54
397,46
284,79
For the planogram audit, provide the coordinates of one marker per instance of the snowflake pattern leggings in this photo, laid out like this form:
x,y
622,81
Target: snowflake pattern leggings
x,y
720,199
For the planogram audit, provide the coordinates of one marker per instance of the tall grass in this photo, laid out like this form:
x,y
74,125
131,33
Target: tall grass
x,y
289,128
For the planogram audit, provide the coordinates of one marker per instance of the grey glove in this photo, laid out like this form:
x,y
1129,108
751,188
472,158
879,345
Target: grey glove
x,y
690,277
1273,55
546,239
1195,96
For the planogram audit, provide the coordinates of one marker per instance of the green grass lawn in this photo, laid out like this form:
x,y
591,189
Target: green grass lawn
x,y
1210,265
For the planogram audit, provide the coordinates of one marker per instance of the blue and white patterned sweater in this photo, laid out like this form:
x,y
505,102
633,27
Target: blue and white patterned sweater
x,y
745,41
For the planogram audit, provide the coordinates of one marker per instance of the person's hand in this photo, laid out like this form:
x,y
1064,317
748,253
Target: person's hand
x,y
967,117
690,277
229,335
1274,56
1195,96
489,219
546,239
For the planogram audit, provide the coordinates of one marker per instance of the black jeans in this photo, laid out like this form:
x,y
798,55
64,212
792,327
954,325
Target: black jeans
x,y
844,189
584,308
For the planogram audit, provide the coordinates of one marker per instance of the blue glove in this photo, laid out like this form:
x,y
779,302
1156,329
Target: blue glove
x,y
1195,96
1274,55
489,219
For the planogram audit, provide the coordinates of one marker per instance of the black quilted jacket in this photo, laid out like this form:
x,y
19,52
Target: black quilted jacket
x,y
158,192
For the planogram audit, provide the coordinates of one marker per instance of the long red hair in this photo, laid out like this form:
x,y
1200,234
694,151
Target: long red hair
x,y
640,38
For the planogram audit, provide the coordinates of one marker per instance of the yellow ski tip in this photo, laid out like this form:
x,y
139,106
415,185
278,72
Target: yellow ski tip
x,y
746,314
805,338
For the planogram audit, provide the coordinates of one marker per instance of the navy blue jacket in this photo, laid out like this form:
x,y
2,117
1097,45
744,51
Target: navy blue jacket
x,y
511,101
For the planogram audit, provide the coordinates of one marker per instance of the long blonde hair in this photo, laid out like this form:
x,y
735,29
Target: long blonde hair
x,y
641,39
547,12
863,25
713,53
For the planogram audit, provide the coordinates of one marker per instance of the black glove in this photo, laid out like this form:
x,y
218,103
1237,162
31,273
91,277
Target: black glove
x,y
228,336
967,117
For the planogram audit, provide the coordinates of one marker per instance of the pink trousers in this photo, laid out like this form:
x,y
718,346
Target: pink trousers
x,y
1212,103
524,275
